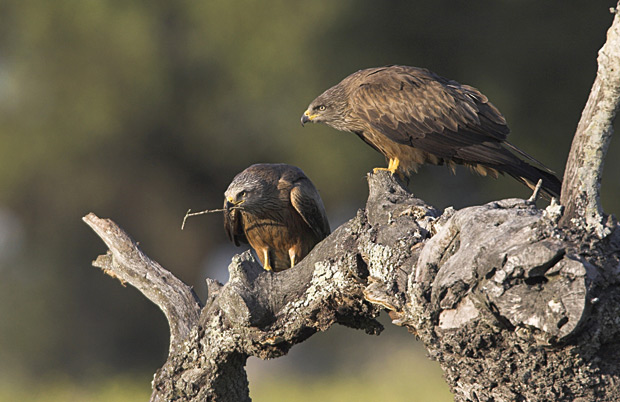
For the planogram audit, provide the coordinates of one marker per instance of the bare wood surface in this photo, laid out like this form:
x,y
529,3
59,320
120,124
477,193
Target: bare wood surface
x,y
126,262
584,168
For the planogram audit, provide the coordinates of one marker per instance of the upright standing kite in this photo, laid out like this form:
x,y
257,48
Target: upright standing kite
x,y
414,116
278,211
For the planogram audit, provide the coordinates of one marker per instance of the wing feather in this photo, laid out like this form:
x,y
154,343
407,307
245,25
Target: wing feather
x,y
307,202
416,107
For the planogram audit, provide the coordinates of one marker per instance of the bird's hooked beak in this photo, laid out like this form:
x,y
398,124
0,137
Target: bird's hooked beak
x,y
231,203
306,117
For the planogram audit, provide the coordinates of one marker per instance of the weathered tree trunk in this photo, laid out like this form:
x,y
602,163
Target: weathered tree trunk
x,y
513,305
584,169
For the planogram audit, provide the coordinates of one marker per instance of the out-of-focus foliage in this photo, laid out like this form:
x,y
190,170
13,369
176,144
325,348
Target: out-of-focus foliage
x,y
387,374
139,110
363,368
62,389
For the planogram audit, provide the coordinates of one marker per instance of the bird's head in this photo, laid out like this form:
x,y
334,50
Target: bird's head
x,y
244,193
329,108
234,199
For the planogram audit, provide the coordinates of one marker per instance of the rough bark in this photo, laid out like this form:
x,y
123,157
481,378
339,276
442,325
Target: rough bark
x,y
515,309
514,305
584,169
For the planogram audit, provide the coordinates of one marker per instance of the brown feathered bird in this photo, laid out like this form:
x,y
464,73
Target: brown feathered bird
x,y
414,116
278,211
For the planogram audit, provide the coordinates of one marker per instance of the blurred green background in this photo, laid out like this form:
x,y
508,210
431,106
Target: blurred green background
x,y
139,110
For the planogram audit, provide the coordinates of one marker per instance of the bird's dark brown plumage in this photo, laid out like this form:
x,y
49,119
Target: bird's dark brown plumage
x,y
414,116
278,211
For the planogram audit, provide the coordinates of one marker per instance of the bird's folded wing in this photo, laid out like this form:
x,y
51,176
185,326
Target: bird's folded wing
x,y
308,204
421,109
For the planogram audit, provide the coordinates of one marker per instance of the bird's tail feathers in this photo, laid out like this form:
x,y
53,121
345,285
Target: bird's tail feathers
x,y
529,175
493,158
529,157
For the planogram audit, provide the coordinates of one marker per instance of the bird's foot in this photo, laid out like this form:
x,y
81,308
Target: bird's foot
x,y
392,167
266,259
394,172
293,257
380,169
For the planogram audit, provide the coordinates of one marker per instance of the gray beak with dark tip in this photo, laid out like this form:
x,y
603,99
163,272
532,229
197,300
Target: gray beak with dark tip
x,y
231,203
308,116
304,119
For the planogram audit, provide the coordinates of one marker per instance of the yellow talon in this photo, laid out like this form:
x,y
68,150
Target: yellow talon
x,y
392,166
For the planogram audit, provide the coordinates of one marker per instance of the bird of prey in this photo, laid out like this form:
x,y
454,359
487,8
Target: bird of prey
x,y
278,211
414,116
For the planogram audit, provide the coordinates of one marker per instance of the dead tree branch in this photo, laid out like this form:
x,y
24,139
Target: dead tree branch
x,y
496,286
584,168
259,313
126,262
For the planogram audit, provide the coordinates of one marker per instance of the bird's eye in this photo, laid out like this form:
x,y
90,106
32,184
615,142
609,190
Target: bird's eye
x,y
241,194
322,107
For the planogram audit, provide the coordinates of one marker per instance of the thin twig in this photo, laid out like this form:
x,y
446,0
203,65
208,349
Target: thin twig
x,y
534,196
206,211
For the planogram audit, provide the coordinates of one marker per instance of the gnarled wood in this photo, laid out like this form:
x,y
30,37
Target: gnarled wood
x,y
513,308
496,286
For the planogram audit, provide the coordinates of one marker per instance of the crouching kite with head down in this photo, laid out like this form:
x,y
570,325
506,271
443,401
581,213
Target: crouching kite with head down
x,y
278,211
